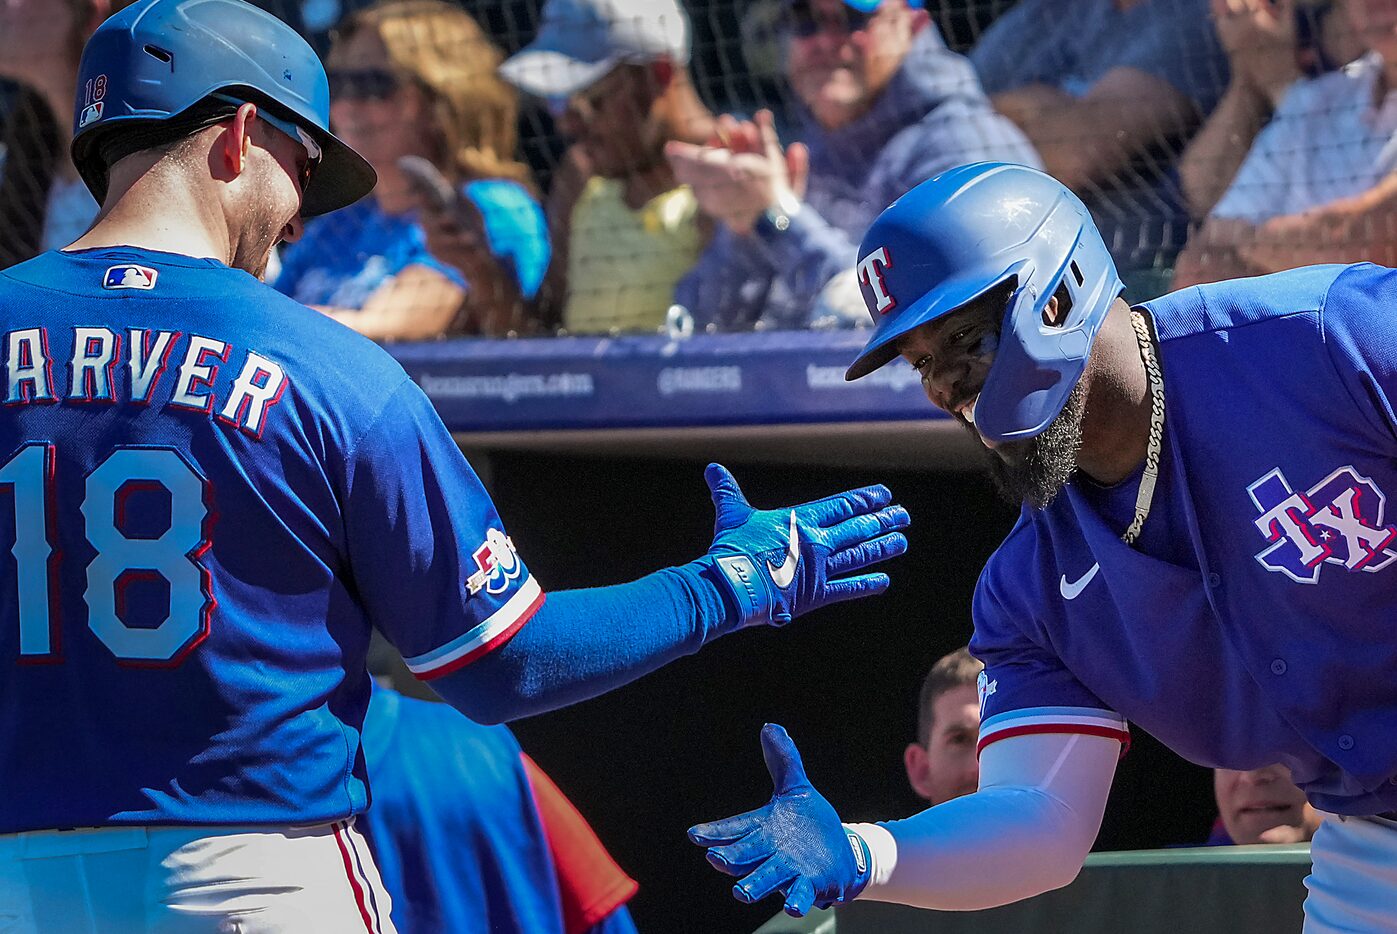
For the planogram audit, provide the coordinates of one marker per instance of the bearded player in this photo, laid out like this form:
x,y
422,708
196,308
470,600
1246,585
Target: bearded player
x,y
214,494
1204,549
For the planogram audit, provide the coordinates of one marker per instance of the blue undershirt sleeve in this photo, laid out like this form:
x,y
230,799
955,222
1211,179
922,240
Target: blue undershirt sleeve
x,y
584,643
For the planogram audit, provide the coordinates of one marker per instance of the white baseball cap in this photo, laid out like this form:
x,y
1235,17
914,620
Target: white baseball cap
x,y
580,41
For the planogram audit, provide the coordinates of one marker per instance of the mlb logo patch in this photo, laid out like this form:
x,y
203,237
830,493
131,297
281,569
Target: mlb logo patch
x,y
130,277
90,114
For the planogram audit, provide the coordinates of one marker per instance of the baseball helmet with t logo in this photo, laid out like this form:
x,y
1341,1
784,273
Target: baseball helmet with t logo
x,y
967,232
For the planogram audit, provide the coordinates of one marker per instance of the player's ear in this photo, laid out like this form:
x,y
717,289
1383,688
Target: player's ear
x,y
237,142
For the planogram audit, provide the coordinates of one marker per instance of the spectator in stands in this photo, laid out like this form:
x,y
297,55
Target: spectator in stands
x,y
1261,806
1107,90
417,78
43,203
883,105
1270,45
615,74
1320,182
470,836
941,764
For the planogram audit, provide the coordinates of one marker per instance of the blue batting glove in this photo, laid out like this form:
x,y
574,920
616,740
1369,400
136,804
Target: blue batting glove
x,y
795,845
780,563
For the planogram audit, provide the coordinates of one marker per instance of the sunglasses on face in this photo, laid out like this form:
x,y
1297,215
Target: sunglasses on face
x,y
313,151
374,84
802,21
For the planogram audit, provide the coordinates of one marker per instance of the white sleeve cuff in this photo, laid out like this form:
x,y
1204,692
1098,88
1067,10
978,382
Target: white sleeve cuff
x,y
882,851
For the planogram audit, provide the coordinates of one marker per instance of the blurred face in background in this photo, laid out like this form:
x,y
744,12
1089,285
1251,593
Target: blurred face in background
x,y
944,766
419,78
37,36
614,121
1375,27
839,60
41,41
378,111
1263,806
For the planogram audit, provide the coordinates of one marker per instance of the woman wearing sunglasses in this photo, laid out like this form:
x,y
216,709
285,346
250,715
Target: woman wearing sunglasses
x,y
416,78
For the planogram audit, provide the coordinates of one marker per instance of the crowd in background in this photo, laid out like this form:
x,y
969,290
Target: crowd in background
x,y
593,169
616,174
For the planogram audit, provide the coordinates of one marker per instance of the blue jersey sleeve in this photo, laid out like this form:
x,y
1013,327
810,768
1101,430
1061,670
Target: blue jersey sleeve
x,y
1025,688
1361,333
428,554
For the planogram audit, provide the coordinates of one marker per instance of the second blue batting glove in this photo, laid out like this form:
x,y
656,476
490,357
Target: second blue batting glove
x,y
780,563
794,845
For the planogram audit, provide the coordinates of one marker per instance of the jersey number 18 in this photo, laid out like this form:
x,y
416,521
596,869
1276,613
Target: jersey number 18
x,y
120,560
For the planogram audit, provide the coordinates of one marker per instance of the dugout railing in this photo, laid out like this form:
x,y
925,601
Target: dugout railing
x,y
1204,890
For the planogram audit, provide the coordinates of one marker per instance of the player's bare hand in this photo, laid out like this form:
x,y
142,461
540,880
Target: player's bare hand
x,y
780,563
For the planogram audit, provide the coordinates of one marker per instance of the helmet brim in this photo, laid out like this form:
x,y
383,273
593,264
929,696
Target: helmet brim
x,y
940,301
342,177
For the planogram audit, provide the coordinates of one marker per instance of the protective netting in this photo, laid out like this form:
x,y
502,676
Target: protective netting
x,y
609,166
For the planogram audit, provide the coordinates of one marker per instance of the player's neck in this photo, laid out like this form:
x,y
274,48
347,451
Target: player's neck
x,y
153,213
1116,427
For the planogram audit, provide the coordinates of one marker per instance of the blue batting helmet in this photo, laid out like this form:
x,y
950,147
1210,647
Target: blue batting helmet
x,y
967,232
156,59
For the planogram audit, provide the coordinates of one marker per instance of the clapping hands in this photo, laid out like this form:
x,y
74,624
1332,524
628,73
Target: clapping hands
x,y
742,171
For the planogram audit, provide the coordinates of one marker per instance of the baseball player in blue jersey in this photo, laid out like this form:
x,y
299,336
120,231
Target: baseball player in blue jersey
x,y
1205,549
213,494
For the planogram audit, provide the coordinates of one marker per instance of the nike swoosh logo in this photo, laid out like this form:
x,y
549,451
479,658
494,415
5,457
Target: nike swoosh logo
x,y
1072,589
783,575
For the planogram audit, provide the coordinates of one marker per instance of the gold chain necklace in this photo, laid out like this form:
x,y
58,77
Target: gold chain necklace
x,y
1150,476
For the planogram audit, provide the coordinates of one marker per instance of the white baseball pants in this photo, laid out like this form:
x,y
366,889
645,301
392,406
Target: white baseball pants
x,y
191,880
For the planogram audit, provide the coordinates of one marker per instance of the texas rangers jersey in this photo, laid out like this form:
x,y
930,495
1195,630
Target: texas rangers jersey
x,y
1253,620
209,494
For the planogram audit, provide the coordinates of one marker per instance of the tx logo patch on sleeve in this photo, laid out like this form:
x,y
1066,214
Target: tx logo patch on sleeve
x,y
130,277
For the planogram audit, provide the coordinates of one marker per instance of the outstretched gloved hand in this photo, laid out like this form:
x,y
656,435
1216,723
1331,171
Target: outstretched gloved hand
x,y
780,563
794,845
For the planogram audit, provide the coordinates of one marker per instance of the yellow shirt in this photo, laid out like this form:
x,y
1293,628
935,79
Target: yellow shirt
x,y
623,265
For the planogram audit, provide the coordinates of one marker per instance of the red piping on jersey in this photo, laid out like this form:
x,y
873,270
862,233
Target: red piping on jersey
x,y
490,646
1032,728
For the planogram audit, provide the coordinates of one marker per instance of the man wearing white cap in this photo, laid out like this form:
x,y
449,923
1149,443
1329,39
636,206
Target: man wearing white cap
x,y
615,74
